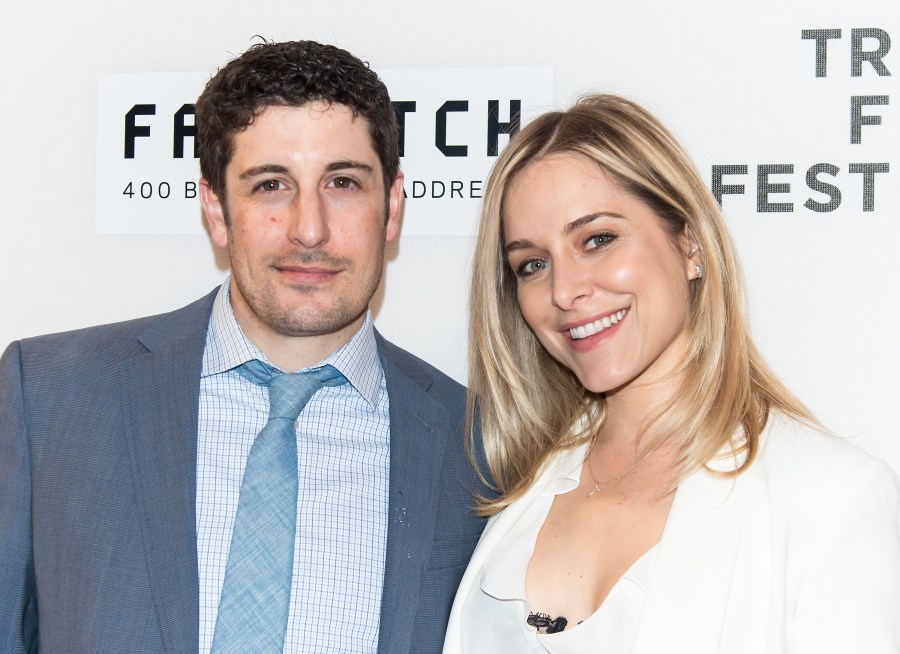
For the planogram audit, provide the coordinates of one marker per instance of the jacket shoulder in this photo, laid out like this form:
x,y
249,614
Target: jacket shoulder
x,y
441,386
109,343
814,468
789,443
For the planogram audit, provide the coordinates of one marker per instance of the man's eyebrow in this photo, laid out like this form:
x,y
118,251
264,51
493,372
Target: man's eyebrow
x,y
268,169
265,169
349,164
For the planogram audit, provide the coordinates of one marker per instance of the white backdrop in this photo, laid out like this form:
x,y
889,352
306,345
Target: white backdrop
x,y
737,82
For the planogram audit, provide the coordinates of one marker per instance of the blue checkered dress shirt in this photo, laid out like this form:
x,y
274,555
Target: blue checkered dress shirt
x,y
343,439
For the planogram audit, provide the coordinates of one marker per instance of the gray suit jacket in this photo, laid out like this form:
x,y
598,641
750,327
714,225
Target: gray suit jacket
x,y
98,546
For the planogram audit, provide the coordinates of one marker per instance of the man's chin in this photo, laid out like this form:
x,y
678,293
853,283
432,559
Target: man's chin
x,y
312,325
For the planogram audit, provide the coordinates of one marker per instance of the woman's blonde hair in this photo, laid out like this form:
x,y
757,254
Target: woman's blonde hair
x,y
530,406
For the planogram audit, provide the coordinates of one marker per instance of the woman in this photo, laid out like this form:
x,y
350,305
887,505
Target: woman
x,y
659,489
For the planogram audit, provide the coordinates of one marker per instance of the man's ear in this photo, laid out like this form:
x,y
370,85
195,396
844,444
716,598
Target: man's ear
x,y
395,207
214,211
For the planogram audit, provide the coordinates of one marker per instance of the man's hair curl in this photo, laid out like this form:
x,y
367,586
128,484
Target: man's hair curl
x,y
290,74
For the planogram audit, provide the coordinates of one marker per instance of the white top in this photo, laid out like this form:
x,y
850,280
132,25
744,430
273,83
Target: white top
x,y
503,607
800,554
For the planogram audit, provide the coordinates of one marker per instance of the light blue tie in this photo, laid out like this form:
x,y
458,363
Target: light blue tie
x,y
256,593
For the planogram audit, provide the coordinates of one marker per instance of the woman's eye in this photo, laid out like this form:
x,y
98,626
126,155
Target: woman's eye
x,y
531,266
599,240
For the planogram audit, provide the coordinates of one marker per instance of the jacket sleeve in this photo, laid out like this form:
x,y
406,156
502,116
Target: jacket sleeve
x,y
18,602
850,594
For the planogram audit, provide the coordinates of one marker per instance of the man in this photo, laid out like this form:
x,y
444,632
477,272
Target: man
x,y
122,447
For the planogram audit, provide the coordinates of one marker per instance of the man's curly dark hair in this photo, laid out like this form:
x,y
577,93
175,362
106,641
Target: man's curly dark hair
x,y
290,74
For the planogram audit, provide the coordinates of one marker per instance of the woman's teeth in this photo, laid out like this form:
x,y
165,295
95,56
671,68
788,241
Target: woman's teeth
x,y
597,326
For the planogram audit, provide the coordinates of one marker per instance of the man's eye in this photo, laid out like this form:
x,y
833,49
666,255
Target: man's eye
x,y
343,182
269,185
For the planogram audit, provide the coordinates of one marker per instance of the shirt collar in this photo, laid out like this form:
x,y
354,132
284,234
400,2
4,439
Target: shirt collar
x,y
564,475
227,347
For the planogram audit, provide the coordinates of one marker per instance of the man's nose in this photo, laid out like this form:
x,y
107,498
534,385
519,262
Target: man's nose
x,y
308,220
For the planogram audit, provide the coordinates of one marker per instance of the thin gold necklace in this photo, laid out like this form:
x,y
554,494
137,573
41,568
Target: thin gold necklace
x,y
598,485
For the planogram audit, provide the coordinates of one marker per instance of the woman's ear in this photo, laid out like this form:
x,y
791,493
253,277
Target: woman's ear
x,y
693,255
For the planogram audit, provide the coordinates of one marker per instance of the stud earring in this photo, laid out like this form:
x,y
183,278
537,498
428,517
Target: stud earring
x,y
699,271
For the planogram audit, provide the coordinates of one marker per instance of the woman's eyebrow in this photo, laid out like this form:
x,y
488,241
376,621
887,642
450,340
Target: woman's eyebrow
x,y
591,217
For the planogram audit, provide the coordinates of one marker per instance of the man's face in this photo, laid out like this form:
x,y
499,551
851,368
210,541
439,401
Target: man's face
x,y
307,220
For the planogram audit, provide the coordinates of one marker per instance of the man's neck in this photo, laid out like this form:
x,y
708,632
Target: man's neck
x,y
292,353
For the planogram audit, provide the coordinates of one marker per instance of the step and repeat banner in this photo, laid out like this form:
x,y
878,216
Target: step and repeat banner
x,y
790,110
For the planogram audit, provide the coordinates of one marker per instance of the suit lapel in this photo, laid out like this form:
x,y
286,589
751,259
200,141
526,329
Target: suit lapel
x,y
419,431
685,607
160,392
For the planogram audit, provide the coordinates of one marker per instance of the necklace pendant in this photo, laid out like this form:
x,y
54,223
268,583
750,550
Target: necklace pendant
x,y
595,489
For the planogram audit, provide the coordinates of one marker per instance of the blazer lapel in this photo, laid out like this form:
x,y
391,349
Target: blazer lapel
x,y
160,393
686,603
419,431
494,532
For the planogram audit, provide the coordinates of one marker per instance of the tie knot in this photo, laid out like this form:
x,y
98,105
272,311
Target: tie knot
x,y
289,393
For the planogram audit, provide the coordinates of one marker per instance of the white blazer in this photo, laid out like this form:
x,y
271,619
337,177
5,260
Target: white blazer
x,y
798,555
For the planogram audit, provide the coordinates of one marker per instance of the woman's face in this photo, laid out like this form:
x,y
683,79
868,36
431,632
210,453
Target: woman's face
x,y
600,281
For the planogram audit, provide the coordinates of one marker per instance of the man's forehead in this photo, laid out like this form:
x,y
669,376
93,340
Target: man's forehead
x,y
284,133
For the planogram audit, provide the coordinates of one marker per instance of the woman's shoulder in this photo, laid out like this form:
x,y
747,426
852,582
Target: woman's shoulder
x,y
815,465
787,440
